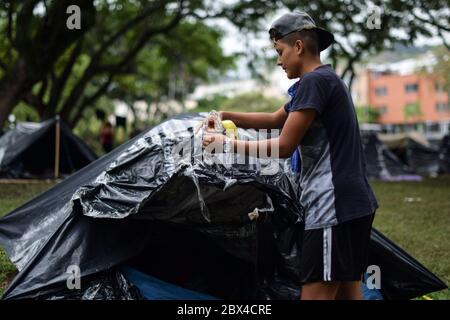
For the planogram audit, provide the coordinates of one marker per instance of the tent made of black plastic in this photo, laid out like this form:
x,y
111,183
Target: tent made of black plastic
x,y
42,150
444,155
422,159
155,219
383,164
414,151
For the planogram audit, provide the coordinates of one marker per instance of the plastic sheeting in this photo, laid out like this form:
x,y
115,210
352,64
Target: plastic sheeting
x,y
224,230
383,164
155,289
401,140
28,151
414,151
148,179
402,276
108,285
444,155
422,159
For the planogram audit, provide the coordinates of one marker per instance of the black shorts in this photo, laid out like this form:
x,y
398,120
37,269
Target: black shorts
x,y
337,253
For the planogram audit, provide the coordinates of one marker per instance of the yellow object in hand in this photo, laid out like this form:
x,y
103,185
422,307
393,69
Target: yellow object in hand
x,y
230,128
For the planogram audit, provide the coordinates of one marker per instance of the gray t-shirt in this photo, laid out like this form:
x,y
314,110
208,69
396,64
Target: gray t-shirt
x,y
332,165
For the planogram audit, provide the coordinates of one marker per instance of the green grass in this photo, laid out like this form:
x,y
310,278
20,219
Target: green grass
x,y
11,197
420,226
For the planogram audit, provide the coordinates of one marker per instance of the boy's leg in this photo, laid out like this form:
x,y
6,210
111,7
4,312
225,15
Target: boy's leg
x,y
335,257
349,290
316,267
320,290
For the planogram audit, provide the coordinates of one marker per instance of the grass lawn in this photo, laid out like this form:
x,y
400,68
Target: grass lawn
x,y
11,197
415,215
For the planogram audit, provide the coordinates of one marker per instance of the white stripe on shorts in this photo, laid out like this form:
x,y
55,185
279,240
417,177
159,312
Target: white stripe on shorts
x,y
327,254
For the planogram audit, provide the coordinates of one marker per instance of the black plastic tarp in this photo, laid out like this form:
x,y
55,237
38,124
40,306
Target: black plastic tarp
x,y
422,159
383,164
28,150
414,151
402,276
444,155
153,206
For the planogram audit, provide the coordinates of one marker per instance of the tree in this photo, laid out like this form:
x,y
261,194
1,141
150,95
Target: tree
x,y
32,44
367,114
252,102
57,70
173,65
441,70
210,103
245,102
412,110
359,30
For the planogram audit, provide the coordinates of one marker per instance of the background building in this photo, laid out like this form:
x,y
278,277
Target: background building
x,y
405,95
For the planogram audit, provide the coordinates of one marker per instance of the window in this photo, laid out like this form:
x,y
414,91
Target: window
x,y
434,127
399,128
413,87
381,91
382,110
442,107
410,127
388,128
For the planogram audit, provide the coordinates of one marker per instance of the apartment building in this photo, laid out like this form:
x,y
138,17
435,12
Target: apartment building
x,y
406,97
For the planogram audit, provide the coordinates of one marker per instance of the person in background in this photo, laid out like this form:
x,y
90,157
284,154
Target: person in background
x,y
107,136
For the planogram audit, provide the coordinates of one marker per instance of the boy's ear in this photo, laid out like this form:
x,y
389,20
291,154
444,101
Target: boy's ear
x,y
299,47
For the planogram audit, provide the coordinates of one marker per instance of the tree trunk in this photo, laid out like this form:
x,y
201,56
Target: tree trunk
x,y
9,97
13,87
350,81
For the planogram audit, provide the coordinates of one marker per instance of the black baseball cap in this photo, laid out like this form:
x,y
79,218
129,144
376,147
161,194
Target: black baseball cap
x,y
297,21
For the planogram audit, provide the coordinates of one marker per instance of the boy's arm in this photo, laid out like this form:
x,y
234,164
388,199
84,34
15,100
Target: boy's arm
x,y
257,120
294,129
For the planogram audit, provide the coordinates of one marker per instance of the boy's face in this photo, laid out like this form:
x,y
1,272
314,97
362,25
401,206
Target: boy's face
x,y
289,58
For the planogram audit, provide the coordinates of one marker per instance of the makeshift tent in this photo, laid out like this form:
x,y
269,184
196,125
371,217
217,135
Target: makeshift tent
x,y
414,151
383,164
422,159
31,150
400,140
444,155
153,219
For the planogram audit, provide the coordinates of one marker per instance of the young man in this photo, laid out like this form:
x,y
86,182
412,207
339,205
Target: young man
x,y
320,121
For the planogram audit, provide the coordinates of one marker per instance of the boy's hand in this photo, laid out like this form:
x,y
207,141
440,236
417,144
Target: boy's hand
x,y
200,125
216,139
204,122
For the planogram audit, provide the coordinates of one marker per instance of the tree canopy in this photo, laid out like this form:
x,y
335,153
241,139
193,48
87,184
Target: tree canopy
x,y
160,49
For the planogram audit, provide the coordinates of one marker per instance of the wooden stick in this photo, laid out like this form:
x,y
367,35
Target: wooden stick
x,y
57,146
